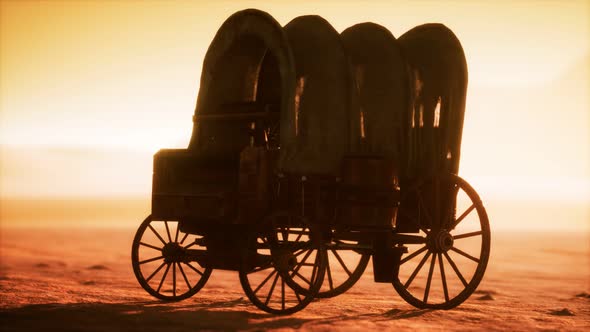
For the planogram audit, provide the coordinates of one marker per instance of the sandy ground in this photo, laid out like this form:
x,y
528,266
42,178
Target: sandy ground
x,y
81,279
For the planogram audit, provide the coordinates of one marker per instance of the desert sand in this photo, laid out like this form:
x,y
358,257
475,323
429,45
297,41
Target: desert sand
x,y
81,279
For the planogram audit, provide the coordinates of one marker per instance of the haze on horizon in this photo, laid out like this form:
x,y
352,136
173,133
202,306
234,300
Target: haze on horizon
x,y
90,90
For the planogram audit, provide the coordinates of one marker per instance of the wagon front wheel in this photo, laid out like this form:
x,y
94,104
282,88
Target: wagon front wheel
x,y
289,274
446,266
161,263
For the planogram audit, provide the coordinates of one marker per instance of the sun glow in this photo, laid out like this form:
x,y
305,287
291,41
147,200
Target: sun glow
x,y
118,76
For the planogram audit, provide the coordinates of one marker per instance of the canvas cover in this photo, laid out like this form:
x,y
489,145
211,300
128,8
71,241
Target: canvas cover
x,y
382,88
438,71
324,115
335,94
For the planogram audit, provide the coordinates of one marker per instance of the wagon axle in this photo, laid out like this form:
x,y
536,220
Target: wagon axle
x,y
284,261
174,253
439,242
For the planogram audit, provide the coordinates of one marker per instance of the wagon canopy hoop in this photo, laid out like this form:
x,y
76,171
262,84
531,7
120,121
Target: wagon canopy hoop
x,y
247,69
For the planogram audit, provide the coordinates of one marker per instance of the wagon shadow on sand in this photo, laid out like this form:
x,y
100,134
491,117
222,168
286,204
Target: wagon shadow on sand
x,y
155,316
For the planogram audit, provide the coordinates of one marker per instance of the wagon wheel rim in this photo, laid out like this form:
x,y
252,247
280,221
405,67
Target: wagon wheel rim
x,y
270,286
160,262
446,268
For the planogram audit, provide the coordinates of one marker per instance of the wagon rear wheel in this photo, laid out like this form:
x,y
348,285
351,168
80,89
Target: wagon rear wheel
x,y
290,273
161,264
446,268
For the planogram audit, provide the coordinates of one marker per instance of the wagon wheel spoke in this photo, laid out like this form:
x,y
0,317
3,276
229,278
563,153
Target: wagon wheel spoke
x,y
341,262
443,277
188,284
307,264
151,259
298,297
194,268
314,273
183,238
454,266
174,279
465,214
466,235
300,252
168,231
300,235
177,231
272,287
427,289
300,264
302,277
157,234
265,281
329,273
418,268
283,294
464,254
414,254
149,246
163,277
155,272
194,243
285,233
261,268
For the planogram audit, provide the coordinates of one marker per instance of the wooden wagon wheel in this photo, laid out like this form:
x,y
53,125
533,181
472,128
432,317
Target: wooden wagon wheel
x,y
345,264
455,244
161,264
292,274
344,267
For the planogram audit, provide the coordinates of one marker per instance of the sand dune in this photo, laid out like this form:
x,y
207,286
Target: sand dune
x,y
81,279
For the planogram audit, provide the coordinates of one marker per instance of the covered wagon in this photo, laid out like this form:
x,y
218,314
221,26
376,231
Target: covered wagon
x,y
313,152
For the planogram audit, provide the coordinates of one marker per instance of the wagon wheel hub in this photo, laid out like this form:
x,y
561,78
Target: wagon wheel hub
x,y
442,241
284,260
173,252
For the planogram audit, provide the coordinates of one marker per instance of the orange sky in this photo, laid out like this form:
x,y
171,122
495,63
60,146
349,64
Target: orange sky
x,y
88,81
